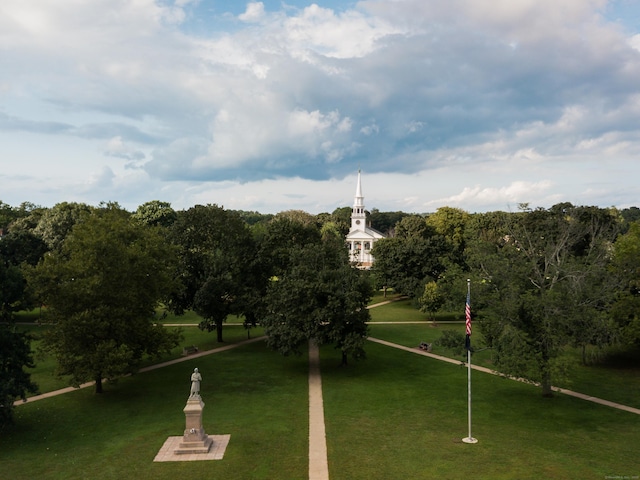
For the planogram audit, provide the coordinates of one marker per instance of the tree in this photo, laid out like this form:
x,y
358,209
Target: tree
x,y
431,299
101,289
451,223
156,212
22,246
542,275
284,233
626,268
415,256
56,223
15,355
386,222
216,250
319,297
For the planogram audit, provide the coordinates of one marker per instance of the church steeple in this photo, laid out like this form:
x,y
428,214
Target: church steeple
x,y
361,238
358,216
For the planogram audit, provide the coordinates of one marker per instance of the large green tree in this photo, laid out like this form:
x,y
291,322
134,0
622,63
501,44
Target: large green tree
x,y
15,382
101,288
318,297
626,268
216,252
415,256
541,279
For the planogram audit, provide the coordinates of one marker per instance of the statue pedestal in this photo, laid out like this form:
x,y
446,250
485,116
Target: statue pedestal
x,y
195,440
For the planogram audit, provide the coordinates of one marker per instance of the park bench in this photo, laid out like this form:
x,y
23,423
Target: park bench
x,y
189,350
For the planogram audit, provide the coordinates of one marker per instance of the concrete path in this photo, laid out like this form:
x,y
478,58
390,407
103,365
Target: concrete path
x,y
35,398
318,463
564,391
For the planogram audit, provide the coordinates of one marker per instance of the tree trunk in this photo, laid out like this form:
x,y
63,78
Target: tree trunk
x,y
98,383
546,383
219,330
343,363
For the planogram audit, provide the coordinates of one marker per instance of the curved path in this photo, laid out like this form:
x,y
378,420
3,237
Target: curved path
x,y
571,393
35,398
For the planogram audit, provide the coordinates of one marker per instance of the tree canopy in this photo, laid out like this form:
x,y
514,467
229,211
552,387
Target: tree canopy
x,y
216,253
542,282
101,288
319,297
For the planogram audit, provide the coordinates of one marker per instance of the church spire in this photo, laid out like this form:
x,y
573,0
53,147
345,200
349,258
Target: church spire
x,y
359,197
358,215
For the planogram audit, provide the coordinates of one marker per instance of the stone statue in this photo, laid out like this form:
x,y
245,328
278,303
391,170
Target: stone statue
x,y
196,378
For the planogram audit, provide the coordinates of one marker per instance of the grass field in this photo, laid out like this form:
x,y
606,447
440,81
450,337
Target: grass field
x,y
393,416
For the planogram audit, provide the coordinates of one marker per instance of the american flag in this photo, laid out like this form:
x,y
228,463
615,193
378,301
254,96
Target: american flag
x,y
467,313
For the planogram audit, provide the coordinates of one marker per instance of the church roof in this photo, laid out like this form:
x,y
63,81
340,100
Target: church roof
x,y
364,234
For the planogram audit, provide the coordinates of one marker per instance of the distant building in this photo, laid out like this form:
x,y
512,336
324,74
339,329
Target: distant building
x,y
361,236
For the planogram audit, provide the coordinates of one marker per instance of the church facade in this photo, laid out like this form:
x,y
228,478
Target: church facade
x,y
361,236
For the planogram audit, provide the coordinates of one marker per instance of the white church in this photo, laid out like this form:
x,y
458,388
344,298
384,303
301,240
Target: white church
x,y
361,236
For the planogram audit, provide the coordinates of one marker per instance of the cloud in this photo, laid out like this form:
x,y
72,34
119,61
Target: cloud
x,y
254,12
116,147
311,93
514,193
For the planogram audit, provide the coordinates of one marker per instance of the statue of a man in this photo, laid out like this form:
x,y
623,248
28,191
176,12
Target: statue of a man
x,y
196,378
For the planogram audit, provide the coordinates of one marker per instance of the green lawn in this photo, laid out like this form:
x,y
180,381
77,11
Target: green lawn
x,y
393,416
257,396
399,415
617,382
43,374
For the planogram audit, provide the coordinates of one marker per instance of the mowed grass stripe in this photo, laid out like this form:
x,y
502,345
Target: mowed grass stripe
x,y
257,396
399,415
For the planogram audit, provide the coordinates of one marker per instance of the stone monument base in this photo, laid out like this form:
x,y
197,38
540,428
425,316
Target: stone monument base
x,y
199,446
216,451
195,440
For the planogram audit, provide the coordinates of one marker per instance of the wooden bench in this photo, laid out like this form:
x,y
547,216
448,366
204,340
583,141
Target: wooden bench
x,y
190,350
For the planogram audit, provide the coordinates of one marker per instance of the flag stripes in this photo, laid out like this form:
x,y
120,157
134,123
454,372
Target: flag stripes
x,y
467,313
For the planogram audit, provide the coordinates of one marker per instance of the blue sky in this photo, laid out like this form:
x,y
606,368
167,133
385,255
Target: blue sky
x,y
272,105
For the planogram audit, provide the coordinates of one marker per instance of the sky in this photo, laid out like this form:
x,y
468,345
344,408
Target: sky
x,y
275,105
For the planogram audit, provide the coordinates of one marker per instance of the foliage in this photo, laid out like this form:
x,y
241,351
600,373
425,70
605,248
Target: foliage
x,y
252,217
20,246
156,213
415,256
542,279
626,268
57,222
386,222
17,248
318,297
217,265
454,340
283,234
101,289
431,299
15,382
450,223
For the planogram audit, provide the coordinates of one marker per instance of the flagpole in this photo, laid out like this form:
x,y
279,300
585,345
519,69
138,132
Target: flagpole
x,y
468,439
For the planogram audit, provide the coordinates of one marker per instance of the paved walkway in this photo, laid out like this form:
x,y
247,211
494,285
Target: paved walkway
x,y
318,464
35,398
564,391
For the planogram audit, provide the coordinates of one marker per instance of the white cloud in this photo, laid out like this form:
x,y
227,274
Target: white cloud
x,y
512,95
254,12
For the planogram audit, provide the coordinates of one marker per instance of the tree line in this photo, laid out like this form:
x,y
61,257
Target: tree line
x,y
101,273
542,279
